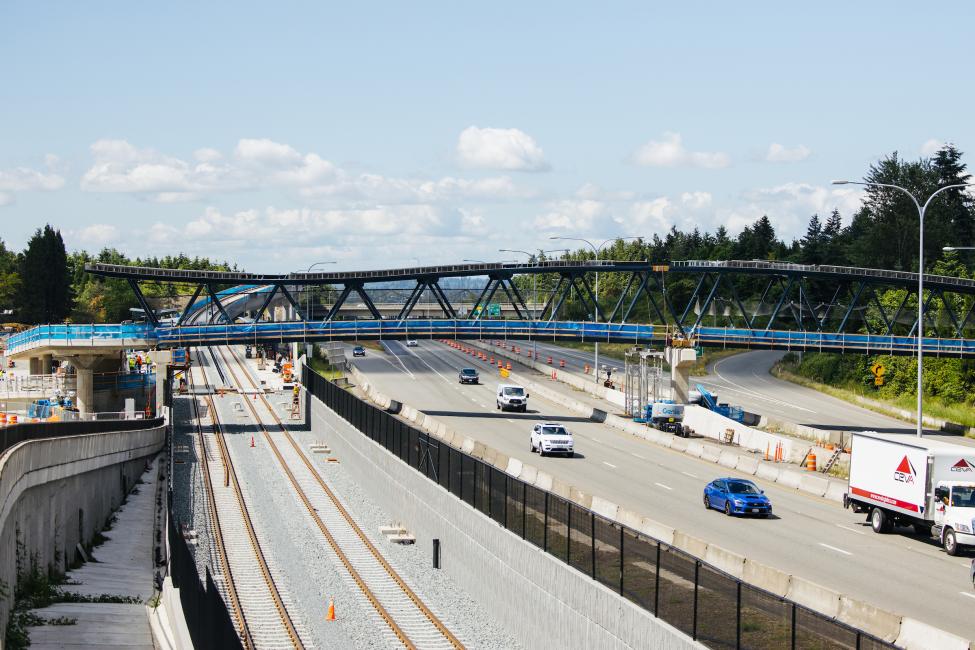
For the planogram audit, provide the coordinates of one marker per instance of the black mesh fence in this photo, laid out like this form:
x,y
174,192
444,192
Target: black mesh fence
x,y
711,606
207,619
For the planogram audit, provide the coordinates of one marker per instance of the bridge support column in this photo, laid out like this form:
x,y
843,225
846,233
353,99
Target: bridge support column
x,y
680,360
34,365
84,367
47,360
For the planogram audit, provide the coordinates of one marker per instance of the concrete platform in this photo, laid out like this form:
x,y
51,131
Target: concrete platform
x,y
122,566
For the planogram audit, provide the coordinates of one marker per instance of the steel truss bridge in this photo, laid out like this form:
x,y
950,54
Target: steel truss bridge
x,y
752,304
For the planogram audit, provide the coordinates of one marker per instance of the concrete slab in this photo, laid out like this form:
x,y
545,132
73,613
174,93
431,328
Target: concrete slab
x,y
125,568
915,635
876,621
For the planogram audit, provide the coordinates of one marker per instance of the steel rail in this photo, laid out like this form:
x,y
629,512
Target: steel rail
x,y
367,591
214,521
231,479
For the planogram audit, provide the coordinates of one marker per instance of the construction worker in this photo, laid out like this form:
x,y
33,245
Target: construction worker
x,y
131,363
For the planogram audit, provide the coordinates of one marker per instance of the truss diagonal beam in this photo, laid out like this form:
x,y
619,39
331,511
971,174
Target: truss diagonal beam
x,y
778,305
707,301
189,305
441,297
150,314
551,298
411,301
359,289
346,292
294,303
216,301
266,303
626,290
691,300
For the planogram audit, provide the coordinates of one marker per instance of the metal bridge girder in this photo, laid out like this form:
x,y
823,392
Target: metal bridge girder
x,y
216,301
189,305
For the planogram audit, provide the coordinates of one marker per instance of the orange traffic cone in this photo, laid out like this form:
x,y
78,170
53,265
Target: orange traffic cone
x,y
330,616
811,462
766,450
561,363
252,440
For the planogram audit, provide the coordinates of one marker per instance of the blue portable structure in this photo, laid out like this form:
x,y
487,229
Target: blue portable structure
x,y
732,412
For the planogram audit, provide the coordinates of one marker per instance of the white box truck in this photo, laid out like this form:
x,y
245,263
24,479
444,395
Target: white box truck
x,y
905,480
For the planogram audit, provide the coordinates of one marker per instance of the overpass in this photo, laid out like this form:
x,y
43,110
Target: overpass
x,y
702,303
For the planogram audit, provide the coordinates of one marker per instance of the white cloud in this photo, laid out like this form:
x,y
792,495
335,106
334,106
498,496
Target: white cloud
x,y
576,215
696,200
98,234
207,155
260,163
500,149
670,152
931,147
781,153
23,179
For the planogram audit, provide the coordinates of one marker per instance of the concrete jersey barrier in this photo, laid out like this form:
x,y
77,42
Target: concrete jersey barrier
x,y
881,623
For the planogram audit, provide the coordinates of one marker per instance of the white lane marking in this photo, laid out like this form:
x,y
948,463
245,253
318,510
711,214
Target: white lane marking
x,y
635,455
833,548
510,420
483,406
852,530
965,593
609,464
689,474
666,487
400,361
751,393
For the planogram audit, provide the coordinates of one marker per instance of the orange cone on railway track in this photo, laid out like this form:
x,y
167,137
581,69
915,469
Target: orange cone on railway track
x,y
330,616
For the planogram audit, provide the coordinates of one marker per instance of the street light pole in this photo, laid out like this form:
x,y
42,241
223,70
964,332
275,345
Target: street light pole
x,y
308,297
921,209
595,316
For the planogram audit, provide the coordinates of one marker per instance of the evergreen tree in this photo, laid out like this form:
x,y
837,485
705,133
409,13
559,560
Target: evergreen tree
x,y
812,243
957,206
44,295
9,280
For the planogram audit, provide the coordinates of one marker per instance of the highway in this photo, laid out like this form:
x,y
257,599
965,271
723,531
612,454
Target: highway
x,y
810,537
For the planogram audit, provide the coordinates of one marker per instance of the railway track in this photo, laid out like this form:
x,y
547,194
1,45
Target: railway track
x,y
402,615
246,582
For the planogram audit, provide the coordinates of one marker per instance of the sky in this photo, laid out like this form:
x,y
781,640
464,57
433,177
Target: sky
x,y
374,135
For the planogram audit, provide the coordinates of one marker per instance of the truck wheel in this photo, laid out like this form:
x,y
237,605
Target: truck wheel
x,y
949,542
880,522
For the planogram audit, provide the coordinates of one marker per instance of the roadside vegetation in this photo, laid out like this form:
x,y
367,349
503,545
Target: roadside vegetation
x,y
948,383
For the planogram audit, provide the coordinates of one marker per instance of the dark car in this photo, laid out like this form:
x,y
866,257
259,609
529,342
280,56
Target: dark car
x,y
469,376
736,496
358,351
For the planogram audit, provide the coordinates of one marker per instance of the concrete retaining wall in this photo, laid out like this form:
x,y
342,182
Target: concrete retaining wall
x,y
57,492
541,600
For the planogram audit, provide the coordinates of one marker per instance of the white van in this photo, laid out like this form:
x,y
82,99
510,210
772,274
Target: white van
x,y
512,398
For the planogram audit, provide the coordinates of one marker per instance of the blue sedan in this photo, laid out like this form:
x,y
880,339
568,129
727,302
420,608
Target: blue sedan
x,y
736,496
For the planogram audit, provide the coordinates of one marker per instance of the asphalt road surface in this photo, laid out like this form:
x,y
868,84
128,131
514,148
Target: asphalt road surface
x,y
809,537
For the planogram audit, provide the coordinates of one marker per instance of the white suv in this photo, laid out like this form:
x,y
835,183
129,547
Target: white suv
x,y
512,398
551,438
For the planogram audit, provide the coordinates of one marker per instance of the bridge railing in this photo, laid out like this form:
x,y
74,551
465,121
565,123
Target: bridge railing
x,y
83,335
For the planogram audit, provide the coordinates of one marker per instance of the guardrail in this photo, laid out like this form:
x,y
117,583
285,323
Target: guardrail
x,y
714,608
831,342
81,335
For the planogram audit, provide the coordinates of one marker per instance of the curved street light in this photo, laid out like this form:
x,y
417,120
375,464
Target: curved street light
x,y
921,209
595,249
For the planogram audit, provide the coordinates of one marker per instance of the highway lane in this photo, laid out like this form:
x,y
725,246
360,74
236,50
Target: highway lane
x,y
812,538
744,379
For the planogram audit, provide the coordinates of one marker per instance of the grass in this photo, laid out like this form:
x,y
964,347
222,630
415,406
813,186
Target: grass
x,y
325,369
933,407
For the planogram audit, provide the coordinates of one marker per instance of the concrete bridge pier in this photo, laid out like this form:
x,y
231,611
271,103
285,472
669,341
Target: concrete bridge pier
x,y
680,360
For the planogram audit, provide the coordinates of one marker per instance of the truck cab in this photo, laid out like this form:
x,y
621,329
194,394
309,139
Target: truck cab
x,y
954,514
512,398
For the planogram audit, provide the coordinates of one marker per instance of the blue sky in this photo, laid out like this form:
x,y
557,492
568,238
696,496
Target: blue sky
x,y
379,134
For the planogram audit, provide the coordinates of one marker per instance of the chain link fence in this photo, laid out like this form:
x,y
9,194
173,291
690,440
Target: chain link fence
x,y
709,605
